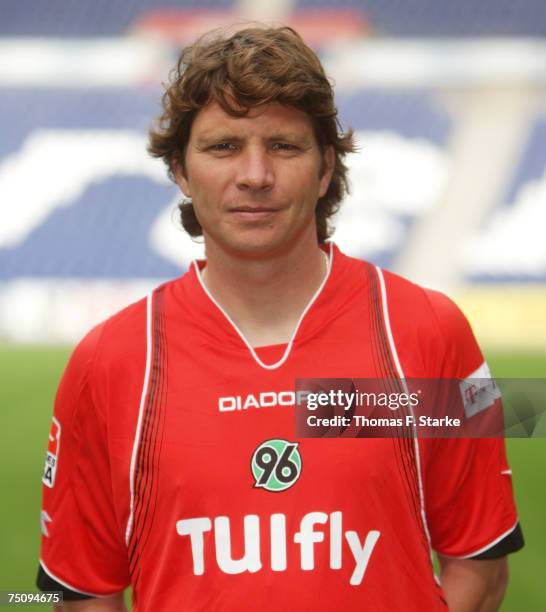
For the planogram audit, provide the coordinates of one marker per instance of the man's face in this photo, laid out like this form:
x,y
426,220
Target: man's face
x,y
254,181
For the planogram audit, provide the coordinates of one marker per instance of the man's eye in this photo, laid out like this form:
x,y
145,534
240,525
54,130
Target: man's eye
x,y
284,146
223,146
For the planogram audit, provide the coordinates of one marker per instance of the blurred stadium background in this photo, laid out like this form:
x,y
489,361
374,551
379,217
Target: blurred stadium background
x,y
449,188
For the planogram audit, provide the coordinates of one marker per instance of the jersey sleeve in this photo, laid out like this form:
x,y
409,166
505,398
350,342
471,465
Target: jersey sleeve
x,y
82,547
467,482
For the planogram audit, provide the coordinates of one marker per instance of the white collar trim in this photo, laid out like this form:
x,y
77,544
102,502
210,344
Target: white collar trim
x,y
277,364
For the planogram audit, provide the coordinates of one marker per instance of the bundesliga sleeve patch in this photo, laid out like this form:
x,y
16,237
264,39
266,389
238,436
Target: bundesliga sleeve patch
x,y
479,391
52,454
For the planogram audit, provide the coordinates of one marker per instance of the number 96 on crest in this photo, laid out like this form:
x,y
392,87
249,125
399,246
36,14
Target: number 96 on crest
x,y
276,465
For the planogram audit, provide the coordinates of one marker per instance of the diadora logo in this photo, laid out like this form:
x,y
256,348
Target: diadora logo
x,y
276,465
52,456
265,399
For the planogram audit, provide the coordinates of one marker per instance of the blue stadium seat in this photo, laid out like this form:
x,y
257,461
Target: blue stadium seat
x,y
412,113
447,18
103,236
105,232
84,18
393,18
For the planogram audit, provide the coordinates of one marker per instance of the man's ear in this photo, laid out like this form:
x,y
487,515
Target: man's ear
x,y
181,178
328,165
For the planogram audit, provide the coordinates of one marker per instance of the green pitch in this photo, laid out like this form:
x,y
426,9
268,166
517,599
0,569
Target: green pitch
x,y
28,379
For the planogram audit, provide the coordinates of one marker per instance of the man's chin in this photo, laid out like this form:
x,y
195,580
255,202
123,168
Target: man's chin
x,y
257,243
255,247
257,250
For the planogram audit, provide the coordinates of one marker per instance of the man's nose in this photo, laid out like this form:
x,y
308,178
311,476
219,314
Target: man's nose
x,y
255,170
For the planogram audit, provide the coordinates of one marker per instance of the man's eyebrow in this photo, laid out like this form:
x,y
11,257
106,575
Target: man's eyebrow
x,y
290,136
212,137
207,137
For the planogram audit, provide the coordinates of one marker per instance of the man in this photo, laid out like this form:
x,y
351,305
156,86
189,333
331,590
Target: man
x,y
173,465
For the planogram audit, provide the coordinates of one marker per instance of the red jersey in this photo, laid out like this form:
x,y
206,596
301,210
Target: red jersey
x,y
173,465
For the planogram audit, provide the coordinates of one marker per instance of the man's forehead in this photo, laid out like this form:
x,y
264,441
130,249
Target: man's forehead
x,y
281,117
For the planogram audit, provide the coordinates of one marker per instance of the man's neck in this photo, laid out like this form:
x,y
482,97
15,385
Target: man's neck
x,y
265,298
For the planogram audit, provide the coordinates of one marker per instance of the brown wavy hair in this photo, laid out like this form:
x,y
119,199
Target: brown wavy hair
x,y
254,66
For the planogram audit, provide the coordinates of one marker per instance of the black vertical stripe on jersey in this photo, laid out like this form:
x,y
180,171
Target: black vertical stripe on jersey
x,y
142,471
146,474
403,444
375,310
146,478
388,371
406,449
153,422
154,451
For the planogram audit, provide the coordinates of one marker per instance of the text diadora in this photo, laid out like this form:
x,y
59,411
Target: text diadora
x,y
306,538
265,399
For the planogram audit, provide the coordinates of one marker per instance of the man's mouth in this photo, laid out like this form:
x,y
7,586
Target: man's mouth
x,y
253,212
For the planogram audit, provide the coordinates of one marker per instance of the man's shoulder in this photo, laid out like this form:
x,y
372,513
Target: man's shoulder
x,y
420,305
428,322
123,335
427,330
